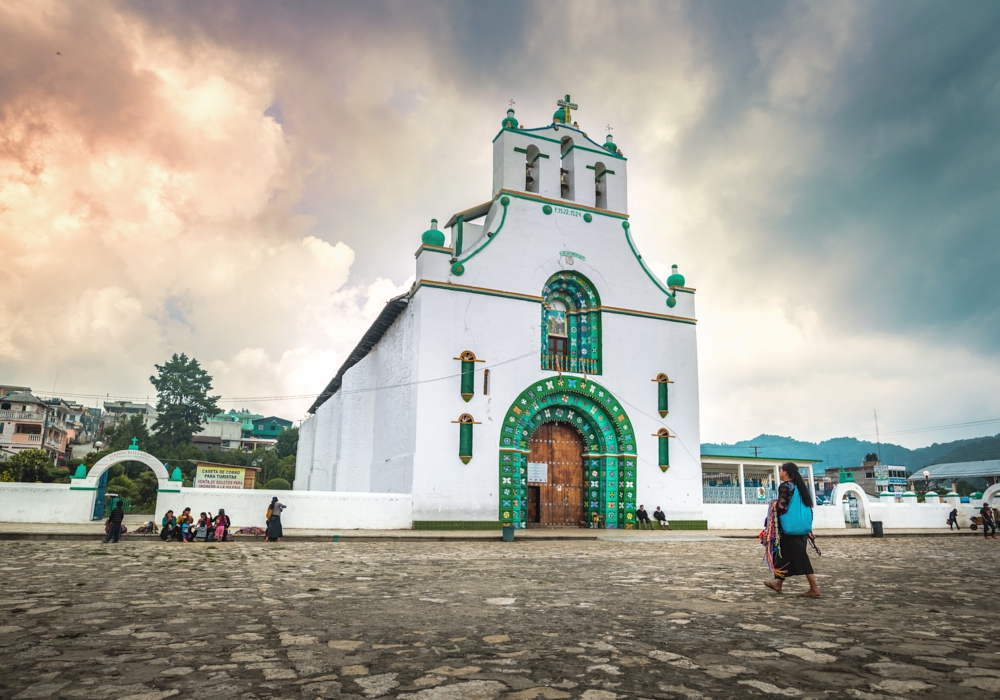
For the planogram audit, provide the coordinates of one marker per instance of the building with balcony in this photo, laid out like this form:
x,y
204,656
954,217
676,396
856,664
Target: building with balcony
x,y
29,423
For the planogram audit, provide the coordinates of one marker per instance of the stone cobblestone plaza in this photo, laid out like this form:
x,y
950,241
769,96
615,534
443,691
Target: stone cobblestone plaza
x,y
684,617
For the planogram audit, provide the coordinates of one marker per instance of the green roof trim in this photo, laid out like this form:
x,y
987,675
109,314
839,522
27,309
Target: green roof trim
x,y
642,263
459,267
524,132
564,204
454,287
598,151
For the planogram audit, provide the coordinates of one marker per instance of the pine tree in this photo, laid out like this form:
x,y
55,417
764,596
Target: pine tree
x,y
183,401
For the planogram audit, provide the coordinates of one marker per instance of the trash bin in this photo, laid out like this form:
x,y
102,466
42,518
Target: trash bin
x,y
508,533
876,528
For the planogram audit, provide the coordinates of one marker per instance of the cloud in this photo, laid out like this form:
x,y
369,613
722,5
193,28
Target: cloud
x,y
247,182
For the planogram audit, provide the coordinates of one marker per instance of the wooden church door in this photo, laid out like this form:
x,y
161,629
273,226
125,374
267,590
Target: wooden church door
x,y
560,498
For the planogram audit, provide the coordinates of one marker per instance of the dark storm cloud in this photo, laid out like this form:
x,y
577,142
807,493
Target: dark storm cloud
x,y
896,217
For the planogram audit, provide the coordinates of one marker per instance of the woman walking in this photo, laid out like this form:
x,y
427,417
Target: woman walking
x,y
794,524
274,521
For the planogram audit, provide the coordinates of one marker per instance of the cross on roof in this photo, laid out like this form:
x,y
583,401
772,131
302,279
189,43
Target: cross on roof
x,y
511,103
608,128
567,105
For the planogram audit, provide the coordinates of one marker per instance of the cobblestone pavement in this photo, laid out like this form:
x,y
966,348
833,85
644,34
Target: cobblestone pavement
x,y
902,617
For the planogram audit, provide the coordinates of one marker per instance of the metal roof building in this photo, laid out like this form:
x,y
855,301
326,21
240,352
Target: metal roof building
x,y
988,469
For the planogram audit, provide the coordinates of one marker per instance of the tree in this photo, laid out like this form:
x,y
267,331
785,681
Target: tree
x,y
26,466
119,436
286,468
288,442
183,401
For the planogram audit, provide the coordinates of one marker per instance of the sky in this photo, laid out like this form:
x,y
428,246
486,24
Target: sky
x,y
247,182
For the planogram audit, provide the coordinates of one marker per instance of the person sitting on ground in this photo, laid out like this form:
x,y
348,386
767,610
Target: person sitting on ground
x,y
201,528
661,518
114,526
184,523
642,517
987,515
953,519
221,525
167,525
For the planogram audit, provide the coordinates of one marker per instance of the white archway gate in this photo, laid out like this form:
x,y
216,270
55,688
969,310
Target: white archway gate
x,y
840,493
132,454
991,493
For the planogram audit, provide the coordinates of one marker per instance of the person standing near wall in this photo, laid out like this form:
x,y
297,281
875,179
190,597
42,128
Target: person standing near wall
x,y
274,521
794,511
953,519
988,523
114,526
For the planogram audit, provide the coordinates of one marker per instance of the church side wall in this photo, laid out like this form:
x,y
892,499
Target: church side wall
x,y
353,471
304,454
394,407
325,445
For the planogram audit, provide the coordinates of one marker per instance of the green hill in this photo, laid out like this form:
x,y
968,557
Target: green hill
x,y
851,451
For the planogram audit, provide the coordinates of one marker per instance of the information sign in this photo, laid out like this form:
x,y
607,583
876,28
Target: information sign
x,y
538,472
219,477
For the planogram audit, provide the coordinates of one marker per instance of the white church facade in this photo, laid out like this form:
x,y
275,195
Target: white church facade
x,y
537,372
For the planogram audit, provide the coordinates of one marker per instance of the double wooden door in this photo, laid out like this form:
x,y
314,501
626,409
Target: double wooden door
x,y
559,500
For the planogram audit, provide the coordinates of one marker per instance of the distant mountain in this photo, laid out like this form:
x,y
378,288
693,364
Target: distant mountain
x,y
851,451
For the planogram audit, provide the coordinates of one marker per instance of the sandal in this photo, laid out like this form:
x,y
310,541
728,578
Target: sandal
x,y
771,585
809,594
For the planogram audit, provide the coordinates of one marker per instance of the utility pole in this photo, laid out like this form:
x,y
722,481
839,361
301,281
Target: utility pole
x,y
754,448
878,442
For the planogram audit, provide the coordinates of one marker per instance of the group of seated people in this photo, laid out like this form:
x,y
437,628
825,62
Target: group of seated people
x,y
183,527
642,518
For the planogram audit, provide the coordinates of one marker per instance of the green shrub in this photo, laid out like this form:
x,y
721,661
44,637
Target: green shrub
x,y
278,485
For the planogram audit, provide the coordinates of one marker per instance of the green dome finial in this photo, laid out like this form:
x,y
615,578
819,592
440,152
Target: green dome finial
x,y
609,144
432,236
676,279
510,122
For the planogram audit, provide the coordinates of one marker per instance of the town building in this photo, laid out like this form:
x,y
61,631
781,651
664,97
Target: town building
x,y
244,417
270,427
538,372
871,476
28,422
117,410
227,435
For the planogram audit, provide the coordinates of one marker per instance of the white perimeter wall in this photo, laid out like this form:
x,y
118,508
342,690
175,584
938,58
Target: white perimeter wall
x,y
313,510
831,517
44,503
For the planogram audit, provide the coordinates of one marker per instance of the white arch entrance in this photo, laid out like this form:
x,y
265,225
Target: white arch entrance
x,y
840,493
991,493
133,454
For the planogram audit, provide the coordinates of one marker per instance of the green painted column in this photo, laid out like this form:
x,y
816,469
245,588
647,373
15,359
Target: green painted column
x,y
468,379
465,423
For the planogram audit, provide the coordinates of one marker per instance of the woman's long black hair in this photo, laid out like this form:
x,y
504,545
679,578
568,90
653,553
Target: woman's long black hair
x,y
792,470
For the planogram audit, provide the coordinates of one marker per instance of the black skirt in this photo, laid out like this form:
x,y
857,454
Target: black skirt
x,y
792,557
274,527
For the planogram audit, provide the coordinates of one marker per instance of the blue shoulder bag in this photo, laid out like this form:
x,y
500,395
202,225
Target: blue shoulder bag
x,y
799,518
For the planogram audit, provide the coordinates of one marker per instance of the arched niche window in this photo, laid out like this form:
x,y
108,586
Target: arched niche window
x,y
566,174
531,166
600,186
571,324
